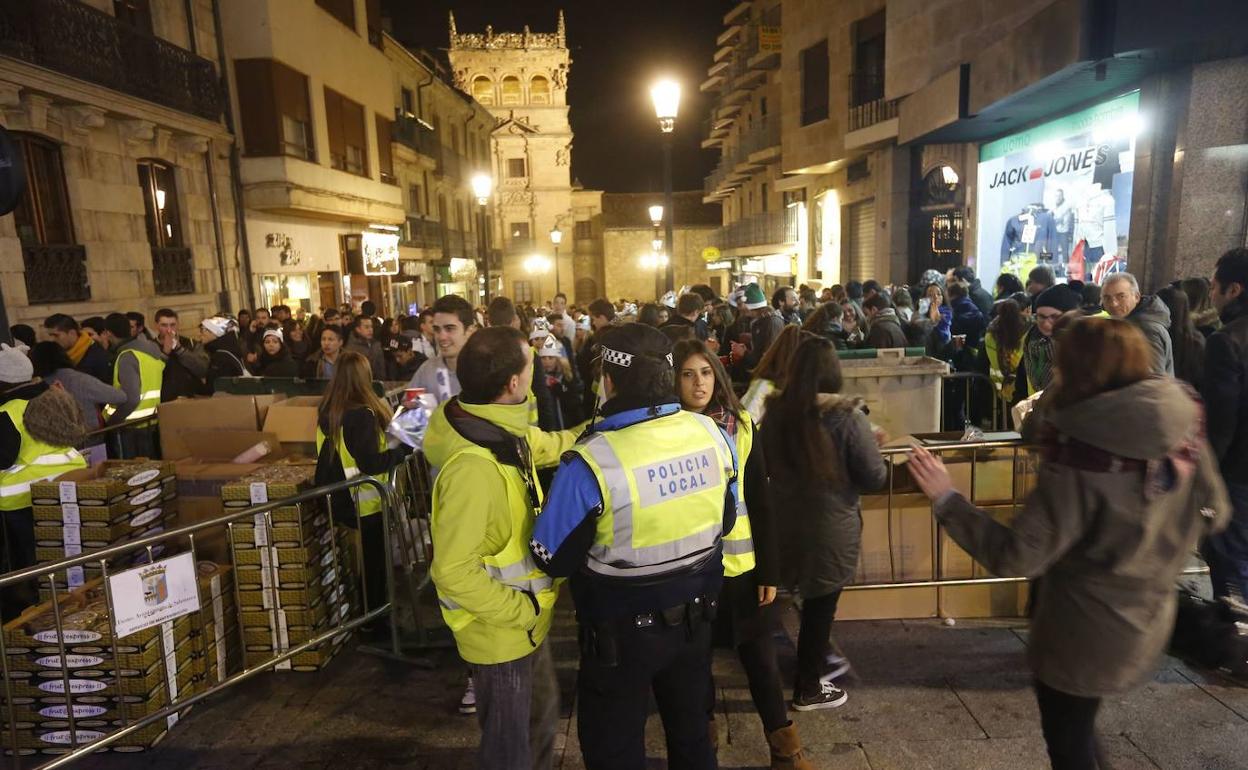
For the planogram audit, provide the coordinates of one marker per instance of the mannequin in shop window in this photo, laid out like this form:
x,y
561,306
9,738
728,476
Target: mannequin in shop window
x,y
1028,234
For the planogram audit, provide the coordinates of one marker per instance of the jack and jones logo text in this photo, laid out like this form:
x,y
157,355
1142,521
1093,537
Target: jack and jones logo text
x,y
1066,163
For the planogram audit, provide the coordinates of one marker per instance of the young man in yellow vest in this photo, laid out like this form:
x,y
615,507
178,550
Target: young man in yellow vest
x,y
493,596
35,444
636,518
138,370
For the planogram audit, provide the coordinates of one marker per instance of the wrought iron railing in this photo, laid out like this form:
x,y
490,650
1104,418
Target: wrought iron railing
x,y
867,105
772,227
421,233
412,133
56,274
173,271
77,40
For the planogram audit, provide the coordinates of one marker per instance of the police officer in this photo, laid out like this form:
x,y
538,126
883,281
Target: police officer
x,y
636,517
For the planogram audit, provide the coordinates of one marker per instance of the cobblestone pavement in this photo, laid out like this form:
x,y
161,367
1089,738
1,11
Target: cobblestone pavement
x,y
923,696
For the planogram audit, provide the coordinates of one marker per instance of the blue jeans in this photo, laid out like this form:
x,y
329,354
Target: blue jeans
x,y
518,711
1226,553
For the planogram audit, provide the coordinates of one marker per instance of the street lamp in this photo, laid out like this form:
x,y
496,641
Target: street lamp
x,y
656,216
482,185
556,238
666,96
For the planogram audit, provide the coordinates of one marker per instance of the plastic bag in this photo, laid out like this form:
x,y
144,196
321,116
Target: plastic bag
x,y
409,425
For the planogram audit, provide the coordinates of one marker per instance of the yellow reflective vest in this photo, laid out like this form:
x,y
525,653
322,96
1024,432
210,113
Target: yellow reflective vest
x,y
367,497
663,483
151,374
1014,358
739,543
36,461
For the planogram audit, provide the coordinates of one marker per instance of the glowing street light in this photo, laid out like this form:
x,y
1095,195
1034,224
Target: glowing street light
x,y
656,215
482,186
666,97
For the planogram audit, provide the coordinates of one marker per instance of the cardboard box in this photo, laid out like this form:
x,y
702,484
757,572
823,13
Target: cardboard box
x,y
896,545
107,485
222,445
294,422
220,412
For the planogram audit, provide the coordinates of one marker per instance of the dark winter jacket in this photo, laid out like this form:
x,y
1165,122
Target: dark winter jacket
x,y
224,359
968,320
763,332
1127,486
1225,392
1153,318
97,363
981,298
362,439
281,365
819,523
886,331
372,350
185,369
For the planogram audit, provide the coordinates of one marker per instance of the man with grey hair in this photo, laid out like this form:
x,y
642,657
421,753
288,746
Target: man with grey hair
x,y
1120,296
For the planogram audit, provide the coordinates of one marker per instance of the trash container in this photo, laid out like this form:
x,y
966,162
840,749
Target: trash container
x,y
902,391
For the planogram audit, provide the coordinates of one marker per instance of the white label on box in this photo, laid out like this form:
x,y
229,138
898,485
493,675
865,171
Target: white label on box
x,y
72,534
76,579
143,498
71,661
260,532
259,492
80,712
71,636
65,737
76,686
73,550
70,514
171,667
147,517
139,479
69,492
151,594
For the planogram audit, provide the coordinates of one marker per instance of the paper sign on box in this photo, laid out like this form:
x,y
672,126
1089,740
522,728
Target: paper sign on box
x,y
149,595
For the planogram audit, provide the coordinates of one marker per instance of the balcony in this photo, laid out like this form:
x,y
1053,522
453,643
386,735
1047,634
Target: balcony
x,y
770,229
173,271
416,136
421,233
56,274
76,40
762,138
872,118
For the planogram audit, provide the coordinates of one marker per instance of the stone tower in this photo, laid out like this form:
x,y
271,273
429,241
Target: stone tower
x,y
522,77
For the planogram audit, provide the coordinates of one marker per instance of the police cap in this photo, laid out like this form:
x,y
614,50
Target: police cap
x,y
622,345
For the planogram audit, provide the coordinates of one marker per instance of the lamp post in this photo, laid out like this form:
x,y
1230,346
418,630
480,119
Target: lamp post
x,y
666,97
656,219
482,185
556,238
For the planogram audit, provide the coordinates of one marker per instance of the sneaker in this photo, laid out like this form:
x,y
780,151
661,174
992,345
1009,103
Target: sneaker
x,y
838,666
468,703
829,697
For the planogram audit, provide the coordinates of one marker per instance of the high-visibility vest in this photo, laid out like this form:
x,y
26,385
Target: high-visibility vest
x,y
663,483
151,375
739,543
367,497
36,461
513,566
995,372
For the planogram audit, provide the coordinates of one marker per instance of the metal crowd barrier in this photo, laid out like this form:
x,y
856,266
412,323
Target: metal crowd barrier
x,y
414,483
127,440
147,546
1020,456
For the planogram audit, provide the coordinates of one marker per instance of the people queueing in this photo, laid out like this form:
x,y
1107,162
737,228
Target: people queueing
x,y
275,359
1127,487
751,555
1120,295
454,322
219,335
497,602
53,366
84,353
320,365
186,361
138,370
636,517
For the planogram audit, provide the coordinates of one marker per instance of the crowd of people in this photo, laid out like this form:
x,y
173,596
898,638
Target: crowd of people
x,y
679,463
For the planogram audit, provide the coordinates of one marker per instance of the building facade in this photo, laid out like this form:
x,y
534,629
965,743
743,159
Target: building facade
x,y
116,114
522,78
630,268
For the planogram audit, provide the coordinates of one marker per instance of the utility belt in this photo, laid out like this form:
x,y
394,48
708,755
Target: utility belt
x,y
602,640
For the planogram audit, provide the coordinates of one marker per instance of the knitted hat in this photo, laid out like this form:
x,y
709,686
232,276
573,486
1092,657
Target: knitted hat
x,y
53,417
219,325
540,330
669,300
754,298
15,367
1059,297
552,347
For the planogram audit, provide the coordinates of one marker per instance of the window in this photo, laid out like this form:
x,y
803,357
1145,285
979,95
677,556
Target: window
x,y
408,100
483,89
160,204
516,168
584,230
519,231
868,79
42,215
342,10
523,292
511,90
274,112
385,158
762,196
815,84
762,107
344,119
134,13
415,199
539,90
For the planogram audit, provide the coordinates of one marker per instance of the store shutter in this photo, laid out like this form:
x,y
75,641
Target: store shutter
x,y
861,250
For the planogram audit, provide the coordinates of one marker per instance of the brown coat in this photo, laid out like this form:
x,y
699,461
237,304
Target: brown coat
x,y
1108,540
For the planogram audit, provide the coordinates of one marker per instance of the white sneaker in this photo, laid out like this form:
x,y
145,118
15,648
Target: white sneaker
x,y
468,703
830,696
838,666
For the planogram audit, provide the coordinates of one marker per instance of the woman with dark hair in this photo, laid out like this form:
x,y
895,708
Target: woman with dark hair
x,y
1187,343
821,454
649,315
751,573
274,359
53,366
1008,285
1127,486
1003,350
826,322
1200,304
298,342
770,373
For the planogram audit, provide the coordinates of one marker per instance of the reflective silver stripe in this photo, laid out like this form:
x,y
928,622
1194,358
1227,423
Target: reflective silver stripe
x,y
741,511
621,502
57,459
511,571
738,547
149,394
148,412
448,604
23,487
654,559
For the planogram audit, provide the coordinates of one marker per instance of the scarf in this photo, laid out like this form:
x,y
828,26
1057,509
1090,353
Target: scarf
x,y
79,349
1038,358
724,419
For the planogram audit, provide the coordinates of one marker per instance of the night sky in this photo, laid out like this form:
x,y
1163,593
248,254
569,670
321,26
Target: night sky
x,y
617,49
